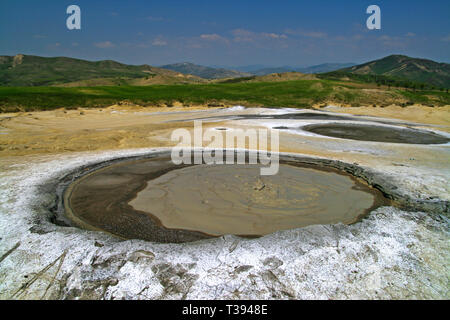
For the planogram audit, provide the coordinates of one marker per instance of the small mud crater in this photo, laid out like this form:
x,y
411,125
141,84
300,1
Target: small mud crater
x,y
153,199
365,132
294,116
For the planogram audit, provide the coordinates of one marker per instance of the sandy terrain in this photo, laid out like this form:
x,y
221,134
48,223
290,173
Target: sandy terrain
x,y
416,113
124,127
59,131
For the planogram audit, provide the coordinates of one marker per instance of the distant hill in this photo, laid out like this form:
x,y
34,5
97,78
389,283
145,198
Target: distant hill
x,y
266,71
394,70
272,77
261,70
403,67
25,70
204,72
324,67
247,68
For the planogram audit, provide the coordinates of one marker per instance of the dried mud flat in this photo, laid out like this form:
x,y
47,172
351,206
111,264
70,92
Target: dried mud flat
x,y
394,252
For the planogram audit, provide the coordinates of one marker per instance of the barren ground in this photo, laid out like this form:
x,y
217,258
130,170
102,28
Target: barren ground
x,y
392,253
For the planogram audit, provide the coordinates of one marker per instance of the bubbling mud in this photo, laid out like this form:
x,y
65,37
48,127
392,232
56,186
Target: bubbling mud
x,y
155,200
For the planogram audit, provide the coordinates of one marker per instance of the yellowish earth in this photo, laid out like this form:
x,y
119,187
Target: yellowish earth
x,y
414,113
126,127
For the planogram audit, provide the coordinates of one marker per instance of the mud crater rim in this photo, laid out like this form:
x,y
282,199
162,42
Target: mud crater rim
x,y
376,133
159,232
376,180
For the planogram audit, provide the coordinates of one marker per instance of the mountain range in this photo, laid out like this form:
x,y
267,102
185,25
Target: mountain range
x,y
220,72
205,72
27,70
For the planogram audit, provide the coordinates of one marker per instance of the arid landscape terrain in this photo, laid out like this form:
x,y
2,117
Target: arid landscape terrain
x,y
224,155
399,250
95,206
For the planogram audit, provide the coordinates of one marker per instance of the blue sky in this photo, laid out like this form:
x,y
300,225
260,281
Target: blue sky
x,y
228,33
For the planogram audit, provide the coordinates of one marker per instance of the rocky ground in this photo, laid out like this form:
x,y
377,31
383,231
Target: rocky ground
x,y
391,254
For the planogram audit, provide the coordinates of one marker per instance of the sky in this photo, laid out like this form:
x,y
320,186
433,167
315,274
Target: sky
x,y
227,33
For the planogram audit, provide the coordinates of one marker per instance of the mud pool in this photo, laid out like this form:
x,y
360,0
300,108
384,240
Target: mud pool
x,y
152,199
367,132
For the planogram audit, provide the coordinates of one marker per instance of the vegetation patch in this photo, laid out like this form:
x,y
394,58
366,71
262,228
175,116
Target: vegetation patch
x,y
296,94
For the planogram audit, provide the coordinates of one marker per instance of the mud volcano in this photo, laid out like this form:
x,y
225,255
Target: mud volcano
x,y
367,132
155,200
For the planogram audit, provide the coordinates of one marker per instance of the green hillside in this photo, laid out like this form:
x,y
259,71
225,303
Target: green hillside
x,y
406,68
204,72
296,93
25,70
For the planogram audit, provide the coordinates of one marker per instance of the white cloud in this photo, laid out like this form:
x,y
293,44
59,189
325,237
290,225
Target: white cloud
x,y
211,37
159,42
274,35
242,35
214,37
104,44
